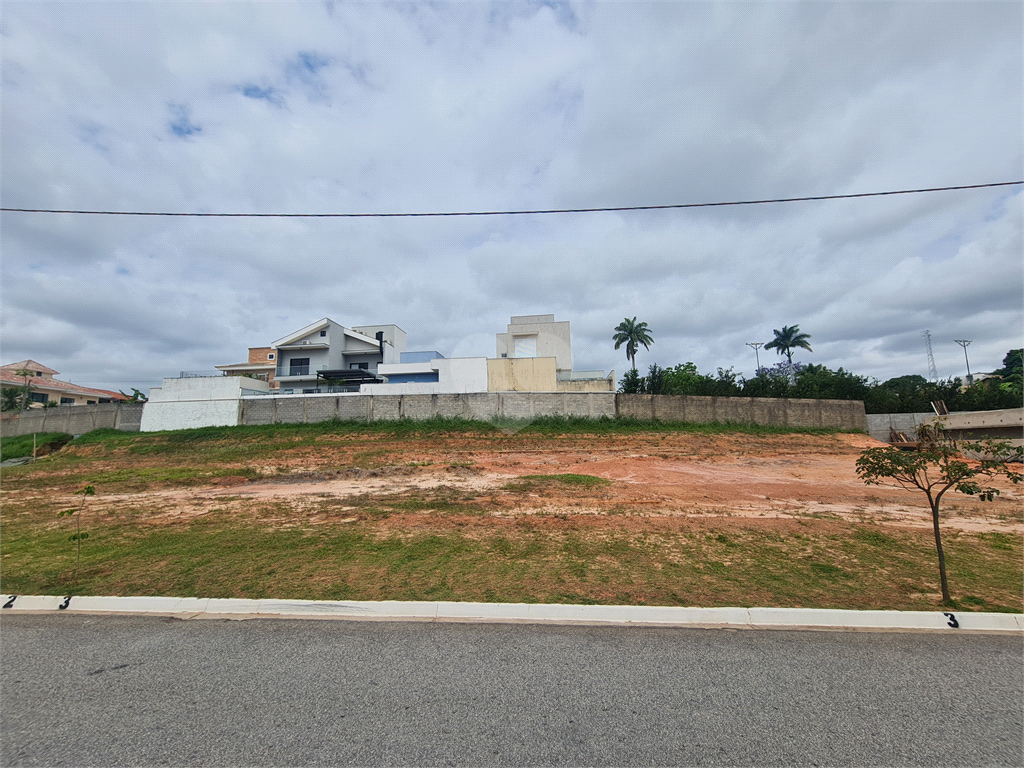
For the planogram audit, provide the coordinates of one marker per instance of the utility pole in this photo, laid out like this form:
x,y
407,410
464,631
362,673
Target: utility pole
x,y
933,375
966,343
756,345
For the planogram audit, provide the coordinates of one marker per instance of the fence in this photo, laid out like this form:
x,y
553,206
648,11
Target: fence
x,y
781,412
73,419
297,409
292,409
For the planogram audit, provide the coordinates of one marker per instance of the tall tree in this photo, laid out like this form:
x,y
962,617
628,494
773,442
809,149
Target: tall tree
x,y
633,335
787,340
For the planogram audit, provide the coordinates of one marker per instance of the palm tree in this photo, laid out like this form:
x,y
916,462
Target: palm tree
x,y
787,339
633,335
24,391
11,399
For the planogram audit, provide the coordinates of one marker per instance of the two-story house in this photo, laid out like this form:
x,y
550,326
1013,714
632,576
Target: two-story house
x,y
327,356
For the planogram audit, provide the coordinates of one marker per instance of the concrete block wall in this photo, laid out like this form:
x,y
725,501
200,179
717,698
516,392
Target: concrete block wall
x,y
837,414
74,419
879,424
296,409
1004,424
292,409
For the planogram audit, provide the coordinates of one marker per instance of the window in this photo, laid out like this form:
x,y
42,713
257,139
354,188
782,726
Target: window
x,y
526,346
39,373
90,402
270,356
504,354
39,397
298,366
360,366
323,333
67,401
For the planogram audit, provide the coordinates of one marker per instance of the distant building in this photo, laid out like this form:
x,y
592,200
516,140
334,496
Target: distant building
x,y
323,357
533,355
45,389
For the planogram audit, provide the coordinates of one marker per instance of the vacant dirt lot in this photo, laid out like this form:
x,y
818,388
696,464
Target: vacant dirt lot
x,y
655,480
445,513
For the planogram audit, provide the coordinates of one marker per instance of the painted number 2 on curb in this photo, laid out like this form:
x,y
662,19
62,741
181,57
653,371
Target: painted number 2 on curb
x,y
10,602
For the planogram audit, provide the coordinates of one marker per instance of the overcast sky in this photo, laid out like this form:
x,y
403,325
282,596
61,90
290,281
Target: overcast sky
x,y
352,107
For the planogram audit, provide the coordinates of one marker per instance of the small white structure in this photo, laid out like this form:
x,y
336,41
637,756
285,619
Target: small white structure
x,y
436,376
203,401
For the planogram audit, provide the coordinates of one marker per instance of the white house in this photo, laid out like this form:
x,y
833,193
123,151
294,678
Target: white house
x,y
327,356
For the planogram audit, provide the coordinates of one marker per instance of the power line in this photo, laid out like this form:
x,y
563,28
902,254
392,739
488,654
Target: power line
x,y
509,213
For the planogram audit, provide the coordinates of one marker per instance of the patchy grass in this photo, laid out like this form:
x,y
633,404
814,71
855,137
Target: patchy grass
x,y
264,438
451,541
21,445
532,483
540,560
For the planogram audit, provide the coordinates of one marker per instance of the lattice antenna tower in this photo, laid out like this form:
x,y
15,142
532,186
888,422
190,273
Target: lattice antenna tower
x,y
933,375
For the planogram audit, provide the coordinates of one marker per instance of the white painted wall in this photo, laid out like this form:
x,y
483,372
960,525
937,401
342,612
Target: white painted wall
x,y
393,335
394,369
199,402
458,374
462,374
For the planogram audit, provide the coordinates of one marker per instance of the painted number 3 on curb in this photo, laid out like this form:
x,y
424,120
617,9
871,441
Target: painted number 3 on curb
x,y
952,620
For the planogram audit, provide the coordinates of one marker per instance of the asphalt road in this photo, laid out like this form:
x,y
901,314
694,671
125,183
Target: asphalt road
x,y
132,690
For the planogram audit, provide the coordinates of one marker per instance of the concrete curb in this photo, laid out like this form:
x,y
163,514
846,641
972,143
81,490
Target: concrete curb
x,y
534,613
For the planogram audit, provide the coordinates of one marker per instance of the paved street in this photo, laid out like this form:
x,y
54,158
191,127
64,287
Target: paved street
x,y
117,690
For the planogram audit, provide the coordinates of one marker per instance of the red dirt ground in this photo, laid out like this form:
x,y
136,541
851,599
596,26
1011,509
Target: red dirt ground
x,y
657,479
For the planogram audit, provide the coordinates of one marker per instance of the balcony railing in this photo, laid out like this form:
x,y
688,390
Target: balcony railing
x,y
296,370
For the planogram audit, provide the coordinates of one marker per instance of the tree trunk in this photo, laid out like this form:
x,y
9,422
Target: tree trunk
x,y
938,547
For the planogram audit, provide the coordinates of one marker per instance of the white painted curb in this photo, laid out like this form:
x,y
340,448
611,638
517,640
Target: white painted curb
x,y
730,618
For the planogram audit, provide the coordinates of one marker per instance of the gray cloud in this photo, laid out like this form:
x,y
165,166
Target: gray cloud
x,y
374,107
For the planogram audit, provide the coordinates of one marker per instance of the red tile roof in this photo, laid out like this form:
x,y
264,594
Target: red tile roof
x,y
7,377
29,365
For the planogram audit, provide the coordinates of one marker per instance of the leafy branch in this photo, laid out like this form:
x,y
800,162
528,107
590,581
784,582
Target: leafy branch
x,y
86,492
